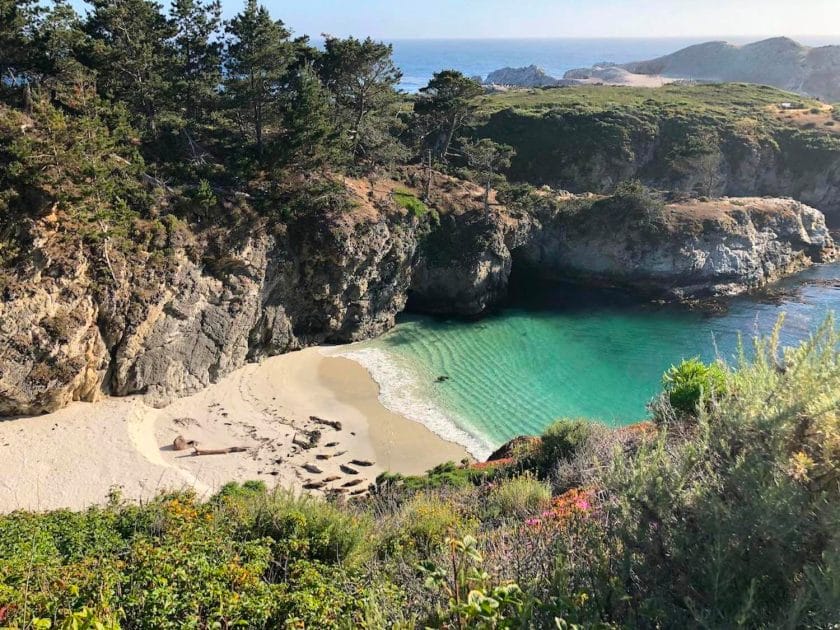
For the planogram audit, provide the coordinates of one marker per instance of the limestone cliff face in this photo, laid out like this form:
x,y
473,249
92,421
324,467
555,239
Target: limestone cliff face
x,y
463,265
74,325
692,249
67,337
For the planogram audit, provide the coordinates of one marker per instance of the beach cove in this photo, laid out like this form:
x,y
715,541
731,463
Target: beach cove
x,y
506,375
76,456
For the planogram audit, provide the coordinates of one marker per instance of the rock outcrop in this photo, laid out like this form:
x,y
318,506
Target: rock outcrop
x,y
527,77
692,249
76,324
463,266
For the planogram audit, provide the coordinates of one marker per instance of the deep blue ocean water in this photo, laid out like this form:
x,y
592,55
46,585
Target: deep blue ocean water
x,y
420,58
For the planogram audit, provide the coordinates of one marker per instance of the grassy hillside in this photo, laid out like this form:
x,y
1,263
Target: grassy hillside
x,y
706,139
726,99
721,512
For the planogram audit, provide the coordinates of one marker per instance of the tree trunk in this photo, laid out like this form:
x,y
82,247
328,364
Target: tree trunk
x,y
28,103
487,195
453,127
429,177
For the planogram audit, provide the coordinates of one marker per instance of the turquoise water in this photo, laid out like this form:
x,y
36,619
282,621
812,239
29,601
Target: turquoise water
x,y
560,351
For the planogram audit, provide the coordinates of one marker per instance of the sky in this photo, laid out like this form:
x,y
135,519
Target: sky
x,y
401,19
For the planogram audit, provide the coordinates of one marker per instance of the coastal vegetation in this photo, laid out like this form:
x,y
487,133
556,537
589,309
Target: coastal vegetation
x,y
699,139
180,195
724,512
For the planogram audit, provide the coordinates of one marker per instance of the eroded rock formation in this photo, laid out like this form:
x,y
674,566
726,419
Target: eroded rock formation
x,y
73,325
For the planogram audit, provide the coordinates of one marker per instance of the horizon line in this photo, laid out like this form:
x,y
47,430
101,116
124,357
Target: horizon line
x,y
605,37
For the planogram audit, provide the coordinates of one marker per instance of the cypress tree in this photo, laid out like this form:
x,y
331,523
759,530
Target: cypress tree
x,y
259,55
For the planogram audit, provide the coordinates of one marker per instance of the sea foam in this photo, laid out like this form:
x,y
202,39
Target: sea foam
x,y
401,392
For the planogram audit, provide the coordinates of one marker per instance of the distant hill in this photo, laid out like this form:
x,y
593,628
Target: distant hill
x,y
780,62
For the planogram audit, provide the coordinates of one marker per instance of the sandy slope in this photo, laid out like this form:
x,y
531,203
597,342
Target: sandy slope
x,y
71,458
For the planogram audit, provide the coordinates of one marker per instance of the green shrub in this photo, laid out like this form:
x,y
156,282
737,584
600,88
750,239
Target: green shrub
x,y
560,441
404,199
519,497
447,475
692,383
305,527
472,601
424,522
738,522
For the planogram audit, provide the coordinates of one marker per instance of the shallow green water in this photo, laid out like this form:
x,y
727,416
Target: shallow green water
x,y
565,352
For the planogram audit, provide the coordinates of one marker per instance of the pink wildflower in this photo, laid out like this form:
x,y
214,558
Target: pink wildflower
x,y
533,522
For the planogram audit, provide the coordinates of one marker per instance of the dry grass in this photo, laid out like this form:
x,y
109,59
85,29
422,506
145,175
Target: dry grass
x,y
813,118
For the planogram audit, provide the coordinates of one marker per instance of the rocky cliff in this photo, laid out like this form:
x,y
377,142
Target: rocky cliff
x,y
691,249
70,331
76,323
529,76
728,140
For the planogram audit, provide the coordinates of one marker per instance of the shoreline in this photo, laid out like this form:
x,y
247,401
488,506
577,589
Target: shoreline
x,y
398,393
73,457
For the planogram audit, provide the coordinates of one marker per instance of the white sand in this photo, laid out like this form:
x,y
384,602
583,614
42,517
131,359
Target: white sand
x,y
73,457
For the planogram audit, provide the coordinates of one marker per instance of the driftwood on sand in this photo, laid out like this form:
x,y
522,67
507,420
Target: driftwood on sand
x,y
335,424
218,451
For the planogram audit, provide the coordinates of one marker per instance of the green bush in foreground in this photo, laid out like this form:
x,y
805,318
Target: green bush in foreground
x,y
562,439
731,518
520,497
692,383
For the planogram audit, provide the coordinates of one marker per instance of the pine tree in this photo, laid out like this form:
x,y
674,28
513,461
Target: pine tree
x,y
59,41
446,104
362,78
487,158
196,58
259,54
131,55
308,139
18,23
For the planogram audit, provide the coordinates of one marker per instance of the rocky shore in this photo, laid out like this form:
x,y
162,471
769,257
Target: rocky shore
x,y
169,329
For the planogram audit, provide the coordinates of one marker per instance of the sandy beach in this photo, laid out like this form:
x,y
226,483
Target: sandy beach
x,y
74,457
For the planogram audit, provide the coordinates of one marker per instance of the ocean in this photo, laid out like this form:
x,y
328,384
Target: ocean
x,y
559,351
420,58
